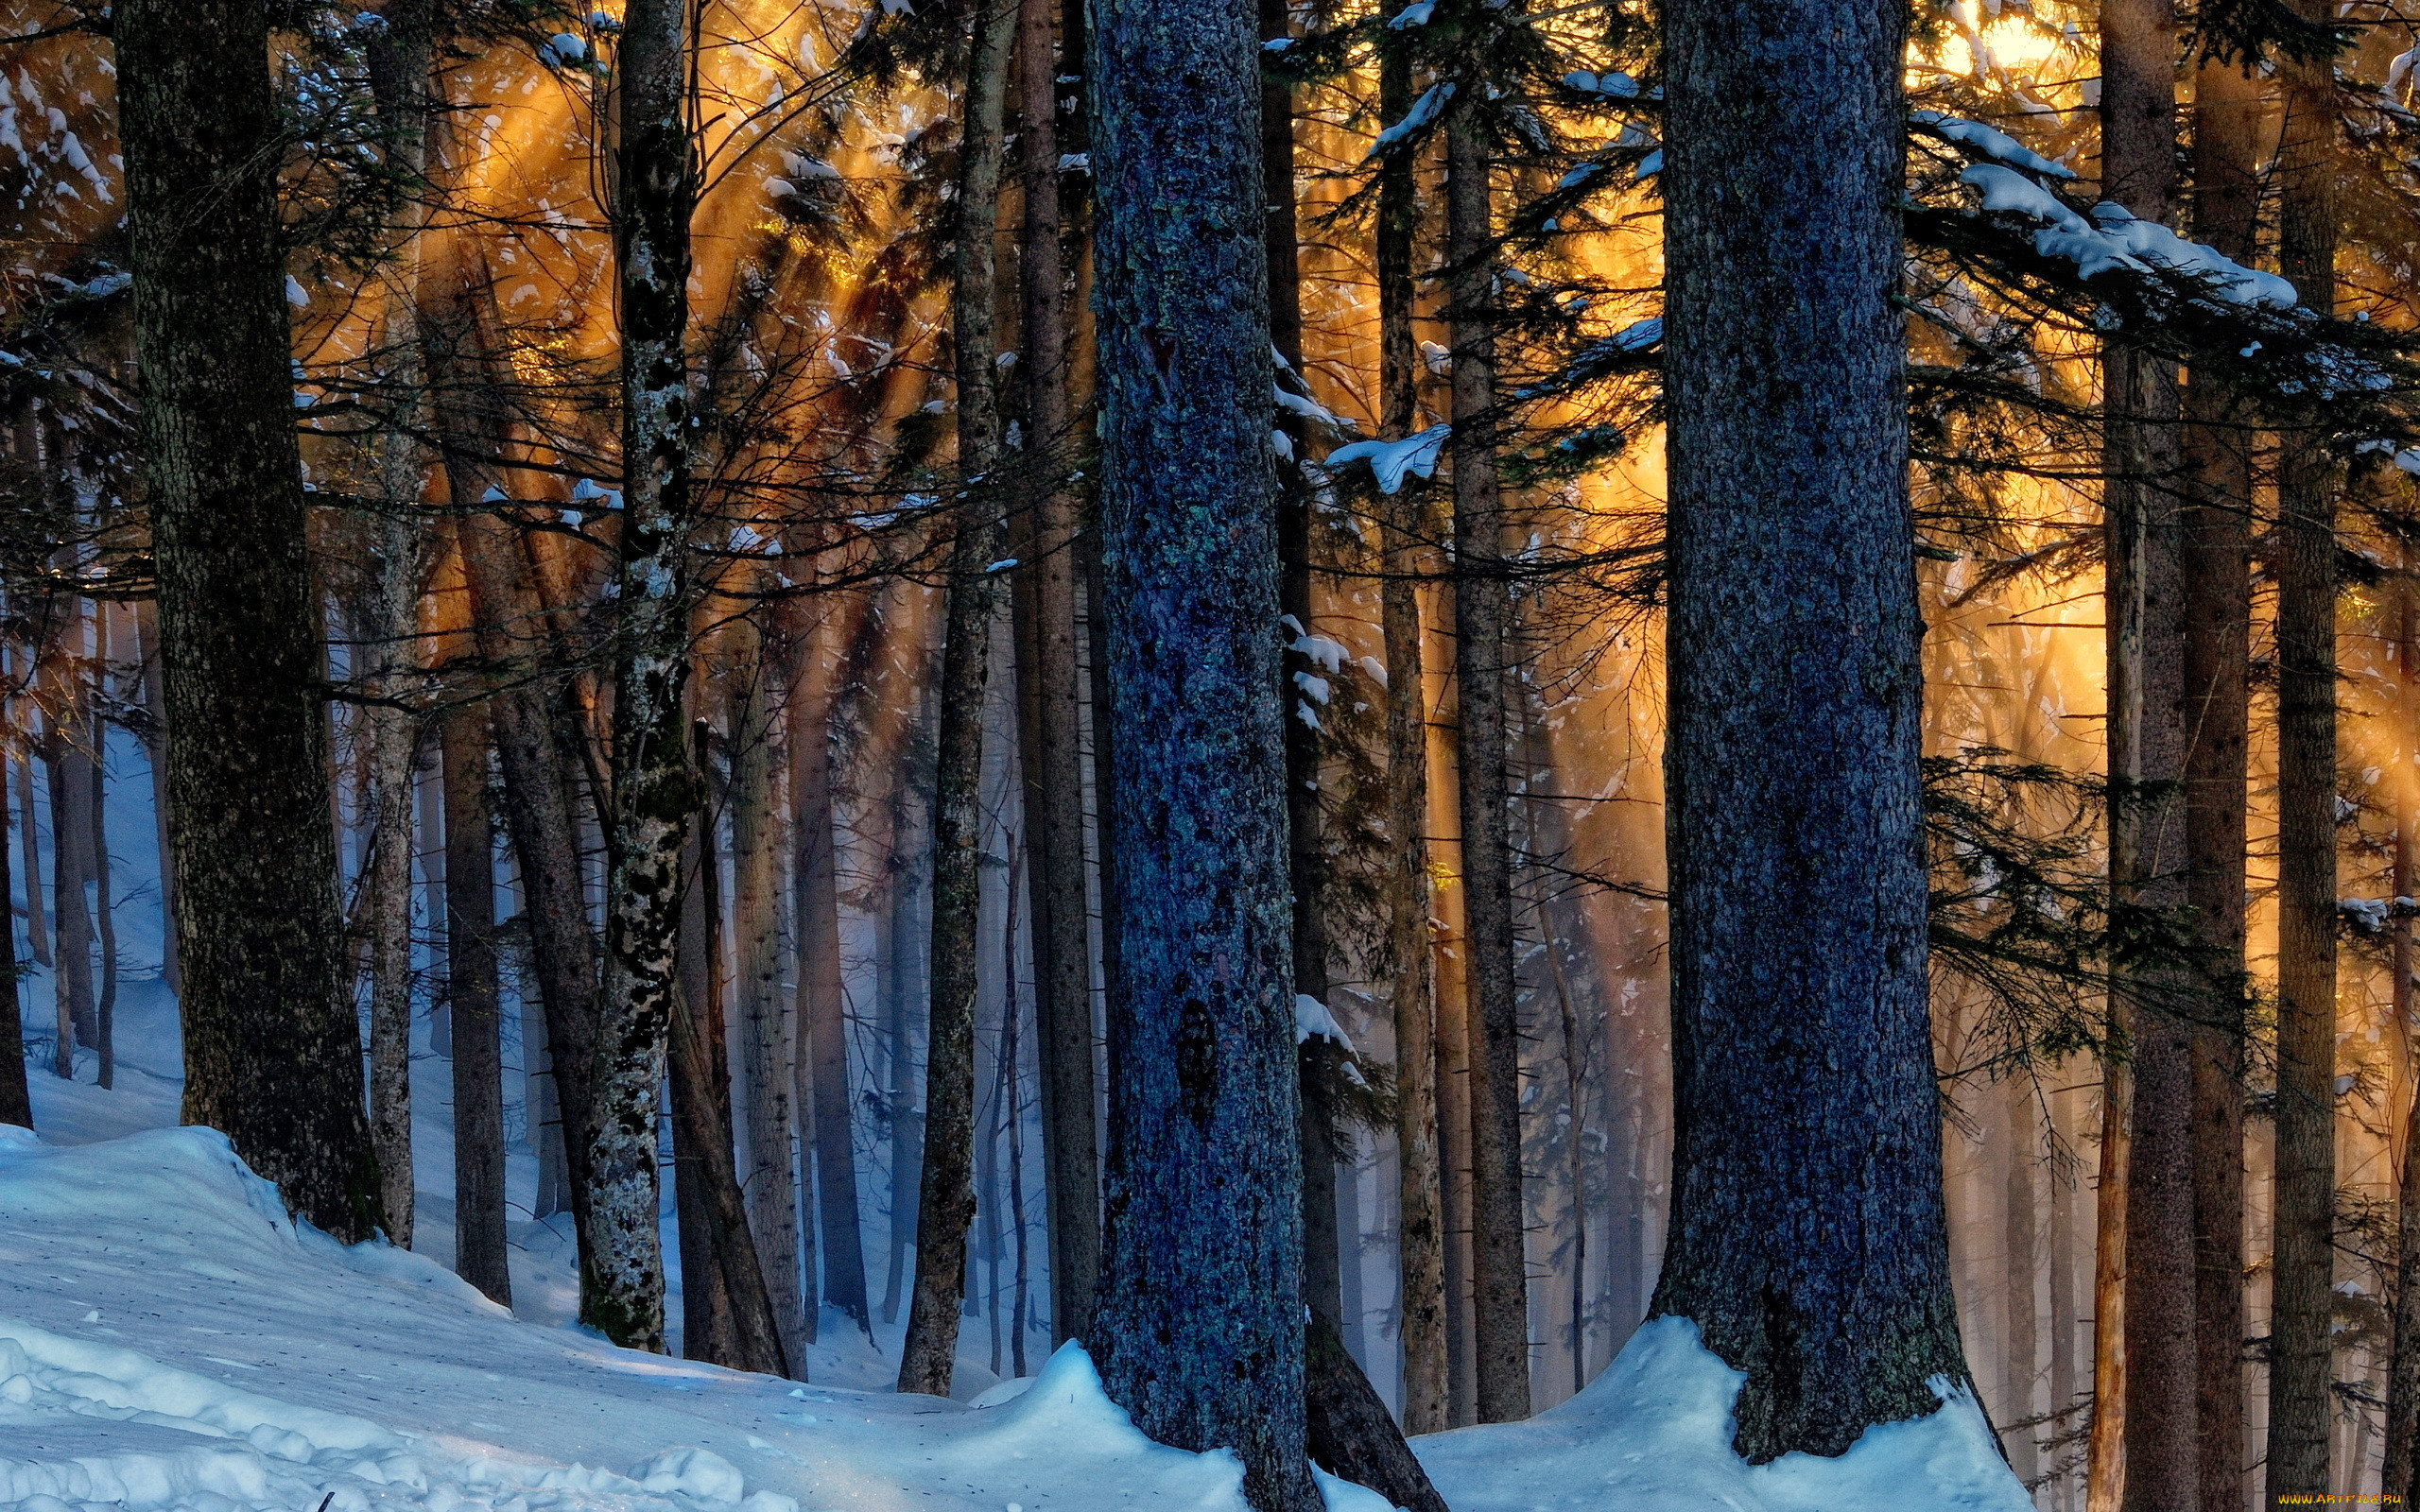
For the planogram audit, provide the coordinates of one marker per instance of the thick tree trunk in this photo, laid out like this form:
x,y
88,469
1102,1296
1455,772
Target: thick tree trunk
x,y
1199,1330
765,1046
1810,1116
822,1092
1054,774
272,1048
2147,752
471,999
1420,1227
945,1204
655,791
386,883
2218,627
1499,1271
2301,1368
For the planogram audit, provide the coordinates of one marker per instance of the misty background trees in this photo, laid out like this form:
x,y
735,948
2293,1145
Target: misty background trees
x,y
709,591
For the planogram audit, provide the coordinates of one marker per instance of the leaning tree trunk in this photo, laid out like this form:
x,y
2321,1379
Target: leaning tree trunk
x,y
1807,1241
1198,1329
2403,1361
945,1201
1054,772
473,1000
2300,1354
272,1048
655,790
510,626
1499,1271
2146,754
2218,632
1420,1227
700,1089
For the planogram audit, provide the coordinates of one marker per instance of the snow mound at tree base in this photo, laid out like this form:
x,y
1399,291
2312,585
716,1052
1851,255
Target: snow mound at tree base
x,y
170,1340
1653,1434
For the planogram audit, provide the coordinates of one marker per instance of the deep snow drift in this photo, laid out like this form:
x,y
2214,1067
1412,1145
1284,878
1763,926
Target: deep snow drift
x,y
168,1339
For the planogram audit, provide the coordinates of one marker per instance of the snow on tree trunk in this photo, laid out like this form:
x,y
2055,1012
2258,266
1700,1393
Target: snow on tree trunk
x,y
655,790
272,1047
1807,1241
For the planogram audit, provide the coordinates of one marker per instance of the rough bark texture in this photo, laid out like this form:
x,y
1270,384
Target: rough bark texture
x,y
472,1001
272,1048
945,1203
1054,772
2300,1369
1420,1228
2218,626
1350,1432
1807,1240
1499,1270
765,1045
69,767
1199,1330
655,791
2142,505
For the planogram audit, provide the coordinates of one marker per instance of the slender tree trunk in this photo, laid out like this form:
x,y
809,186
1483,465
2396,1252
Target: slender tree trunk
x,y
386,884
1499,1271
2301,1365
2021,1234
822,1092
701,1101
272,1048
472,999
510,628
1421,1225
2399,1476
1054,758
1452,1004
104,918
17,1096
1815,1115
765,1045
37,926
69,774
1299,672
945,1204
1199,1330
2142,504
2218,627
655,791
2105,1455
906,1148
155,748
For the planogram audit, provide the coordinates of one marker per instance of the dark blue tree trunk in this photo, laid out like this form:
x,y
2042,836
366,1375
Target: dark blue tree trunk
x,y
1807,1240
1198,1331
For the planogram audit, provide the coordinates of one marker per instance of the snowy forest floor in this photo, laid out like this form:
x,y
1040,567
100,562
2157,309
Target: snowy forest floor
x,y
169,1340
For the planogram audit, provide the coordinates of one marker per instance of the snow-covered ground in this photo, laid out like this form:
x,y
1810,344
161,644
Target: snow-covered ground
x,y
170,1339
